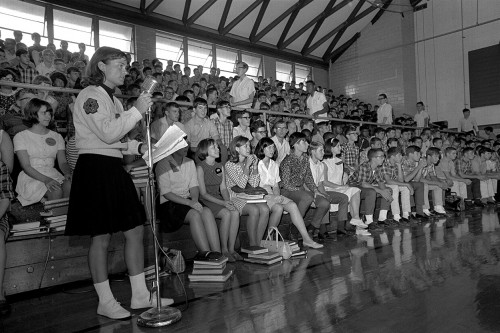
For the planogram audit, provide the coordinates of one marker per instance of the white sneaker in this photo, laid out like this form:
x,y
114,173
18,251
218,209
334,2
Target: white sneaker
x,y
149,303
358,223
362,232
113,310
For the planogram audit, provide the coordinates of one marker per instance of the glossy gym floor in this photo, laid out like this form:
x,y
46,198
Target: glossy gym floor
x,y
440,276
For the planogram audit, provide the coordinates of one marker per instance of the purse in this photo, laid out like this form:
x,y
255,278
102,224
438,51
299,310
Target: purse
x,y
275,245
174,261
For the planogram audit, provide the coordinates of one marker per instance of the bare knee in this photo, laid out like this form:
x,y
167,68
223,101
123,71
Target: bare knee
x,y
100,241
263,209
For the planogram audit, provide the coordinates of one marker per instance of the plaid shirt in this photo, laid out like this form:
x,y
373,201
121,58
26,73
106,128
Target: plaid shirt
x,y
350,155
389,170
403,144
429,170
27,75
464,167
225,130
367,175
408,166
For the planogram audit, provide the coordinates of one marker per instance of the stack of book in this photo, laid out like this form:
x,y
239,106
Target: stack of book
x,y
28,228
252,198
55,214
139,175
261,255
207,269
149,273
296,250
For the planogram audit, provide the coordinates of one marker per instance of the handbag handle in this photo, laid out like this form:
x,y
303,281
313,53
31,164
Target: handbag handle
x,y
278,234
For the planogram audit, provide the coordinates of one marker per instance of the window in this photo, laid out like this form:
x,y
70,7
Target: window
x,y
169,47
284,71
254,62
74,29
302,73
26,17
226,61
199,53
116,35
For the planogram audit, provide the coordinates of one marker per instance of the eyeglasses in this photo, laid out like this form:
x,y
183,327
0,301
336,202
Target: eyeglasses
x,y
380,98
262,132
244,117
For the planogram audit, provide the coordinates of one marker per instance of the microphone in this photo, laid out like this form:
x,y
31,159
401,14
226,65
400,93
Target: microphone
x,y
148,86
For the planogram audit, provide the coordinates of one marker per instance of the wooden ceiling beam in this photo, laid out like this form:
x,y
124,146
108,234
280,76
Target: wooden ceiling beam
x,y
381,11
341,49
200,11
317,26
348,22
289,24
223,18
152,6
143,6
185,14
336,30
323,15
120,12
278,20
256,25
240,17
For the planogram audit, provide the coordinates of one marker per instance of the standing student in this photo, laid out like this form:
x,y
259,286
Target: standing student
x,y
103,197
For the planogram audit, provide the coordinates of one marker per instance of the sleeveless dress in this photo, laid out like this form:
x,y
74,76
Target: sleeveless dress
x,y
213,179
336,175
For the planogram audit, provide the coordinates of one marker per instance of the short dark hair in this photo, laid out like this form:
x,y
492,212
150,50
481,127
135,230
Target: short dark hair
x,y
432,151
31,111
372,152
21,52
199,101
263,144
393,151
436,140
203,146
383,95
412,149
256,125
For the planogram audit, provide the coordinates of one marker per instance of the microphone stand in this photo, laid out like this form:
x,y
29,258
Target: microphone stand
x,y
158,316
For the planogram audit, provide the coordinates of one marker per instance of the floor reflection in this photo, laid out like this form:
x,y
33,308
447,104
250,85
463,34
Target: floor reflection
x,y
441,276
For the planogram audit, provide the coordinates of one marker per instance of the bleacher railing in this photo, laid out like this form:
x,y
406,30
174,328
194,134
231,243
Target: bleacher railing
x,y
265,112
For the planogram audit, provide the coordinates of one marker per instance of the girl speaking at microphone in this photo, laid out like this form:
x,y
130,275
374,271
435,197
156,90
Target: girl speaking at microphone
x,y
103,199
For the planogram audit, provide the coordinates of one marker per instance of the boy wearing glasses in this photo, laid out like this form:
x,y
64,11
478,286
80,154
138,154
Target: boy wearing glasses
x,y
384,112
243,90
243,128
282,146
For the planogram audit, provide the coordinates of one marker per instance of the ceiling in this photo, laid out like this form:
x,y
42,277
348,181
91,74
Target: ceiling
x,y
310,31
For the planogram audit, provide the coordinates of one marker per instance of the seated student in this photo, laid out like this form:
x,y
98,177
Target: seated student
x,y
179,201
322,128
8,95
308,135
433,183
37,148
380,133
171,117
371,182
281,144
199,127
243,129
336,179
269,180
375,143
394,179
241,169
479,169
214,195
296,174
258,130
6,196
463,166
306,123
392,143
404,141
447,165
291,126
350,151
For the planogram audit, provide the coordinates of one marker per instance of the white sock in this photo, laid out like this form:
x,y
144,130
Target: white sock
x,y
139,288
104,292
397,217
439,209
369,219
383,238
382,216
406,215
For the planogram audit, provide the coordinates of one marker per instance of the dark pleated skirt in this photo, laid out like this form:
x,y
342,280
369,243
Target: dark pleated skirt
x,y
103,198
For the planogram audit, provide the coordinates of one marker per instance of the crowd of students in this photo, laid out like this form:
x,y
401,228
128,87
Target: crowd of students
x,y
300,163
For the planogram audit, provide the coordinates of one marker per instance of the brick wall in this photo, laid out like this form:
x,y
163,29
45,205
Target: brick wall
x,y
375,64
